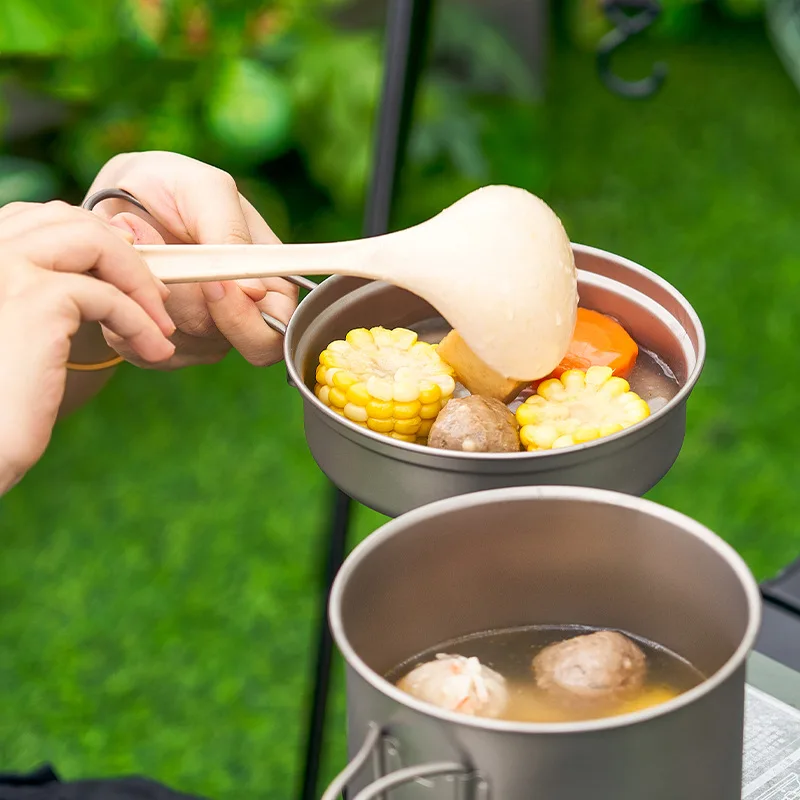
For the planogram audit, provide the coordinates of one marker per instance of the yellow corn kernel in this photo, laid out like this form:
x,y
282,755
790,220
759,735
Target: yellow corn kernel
x,y
408,426
528,414
551,389
574,380
380,388
424,428
380,425
429,393
355,413
581,435
597,376
385,380
381,337
610,429
337,398
430,410
538,437
329,359
360,338
405,392
344,379
615,386
357,394
380,409
446,384
404,338
406,410
563,441
578,407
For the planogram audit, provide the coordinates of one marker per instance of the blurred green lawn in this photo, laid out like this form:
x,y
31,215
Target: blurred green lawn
x,y
160,565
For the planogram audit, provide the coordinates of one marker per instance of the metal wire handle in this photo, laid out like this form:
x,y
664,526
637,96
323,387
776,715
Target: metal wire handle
x,y
393,779
626,27
121,194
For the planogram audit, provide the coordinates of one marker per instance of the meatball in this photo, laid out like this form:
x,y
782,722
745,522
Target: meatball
x,y
475,424
457,683
594,666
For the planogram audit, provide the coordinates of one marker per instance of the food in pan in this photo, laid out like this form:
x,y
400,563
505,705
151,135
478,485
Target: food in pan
x,y
367,377
599,341
578,407
475,375
385,380
547,674
457,683
475,424
595,665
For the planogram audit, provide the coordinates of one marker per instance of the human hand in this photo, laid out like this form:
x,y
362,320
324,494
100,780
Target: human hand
x,y
192,202
47,253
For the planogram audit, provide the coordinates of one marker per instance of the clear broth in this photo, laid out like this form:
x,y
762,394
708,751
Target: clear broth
x,y
651,378
510,653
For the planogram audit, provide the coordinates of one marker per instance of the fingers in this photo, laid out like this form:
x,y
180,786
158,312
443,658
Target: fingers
x,y
61,238
241,322
88,245
141,232
96,301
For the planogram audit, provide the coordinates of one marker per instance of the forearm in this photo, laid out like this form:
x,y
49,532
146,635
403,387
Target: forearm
x,y
88,347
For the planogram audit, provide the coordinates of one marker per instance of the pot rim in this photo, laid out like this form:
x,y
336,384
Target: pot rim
x,y
573,494
352,430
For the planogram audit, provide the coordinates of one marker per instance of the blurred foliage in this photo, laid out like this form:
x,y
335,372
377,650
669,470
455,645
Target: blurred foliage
x,y
247,86
679,19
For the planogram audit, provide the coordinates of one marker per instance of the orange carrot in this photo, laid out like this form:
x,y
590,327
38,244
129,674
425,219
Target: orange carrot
x,y
598,341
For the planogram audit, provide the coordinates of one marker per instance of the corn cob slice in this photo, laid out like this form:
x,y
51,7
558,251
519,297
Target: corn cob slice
x,y
578,407
385,380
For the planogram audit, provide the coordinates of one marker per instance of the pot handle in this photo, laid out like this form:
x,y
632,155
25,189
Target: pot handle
x,y
390,781
121,194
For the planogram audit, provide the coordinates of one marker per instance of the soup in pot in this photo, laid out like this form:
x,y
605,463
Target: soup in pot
x,y
546,674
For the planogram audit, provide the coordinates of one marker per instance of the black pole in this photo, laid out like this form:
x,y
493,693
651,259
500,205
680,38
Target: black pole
x,y
407,28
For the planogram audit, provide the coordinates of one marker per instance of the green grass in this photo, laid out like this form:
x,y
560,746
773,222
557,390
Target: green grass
x,y
160,564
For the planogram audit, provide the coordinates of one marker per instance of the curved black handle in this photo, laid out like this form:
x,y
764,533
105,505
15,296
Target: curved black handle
x,y
626,27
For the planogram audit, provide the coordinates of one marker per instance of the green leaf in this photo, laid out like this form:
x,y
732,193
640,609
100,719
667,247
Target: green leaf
x,y
249,110
26,28
25,180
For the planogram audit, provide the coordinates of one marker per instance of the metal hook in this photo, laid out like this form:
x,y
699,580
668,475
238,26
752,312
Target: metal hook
x,y
626,27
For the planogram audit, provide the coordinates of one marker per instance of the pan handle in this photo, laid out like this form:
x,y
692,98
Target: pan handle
x,y
120,194
397,778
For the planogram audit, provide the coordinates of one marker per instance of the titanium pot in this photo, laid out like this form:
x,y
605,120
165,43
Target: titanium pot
x,y
393,477
544,555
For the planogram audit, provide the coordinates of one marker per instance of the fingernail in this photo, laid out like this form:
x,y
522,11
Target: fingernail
x,y
125,233
213,292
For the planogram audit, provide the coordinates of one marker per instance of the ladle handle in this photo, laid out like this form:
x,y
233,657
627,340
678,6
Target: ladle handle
x,y
393,779
190,263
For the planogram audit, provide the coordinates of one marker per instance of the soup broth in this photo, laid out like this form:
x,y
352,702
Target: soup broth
x,y
511,652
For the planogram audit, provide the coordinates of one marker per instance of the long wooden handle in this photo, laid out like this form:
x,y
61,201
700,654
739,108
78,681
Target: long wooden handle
x,y
190,263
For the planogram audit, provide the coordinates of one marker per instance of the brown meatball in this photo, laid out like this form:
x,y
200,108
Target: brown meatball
x,y
475,424
594,666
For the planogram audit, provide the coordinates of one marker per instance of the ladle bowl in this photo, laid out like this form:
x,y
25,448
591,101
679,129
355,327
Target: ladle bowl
x,y
393,477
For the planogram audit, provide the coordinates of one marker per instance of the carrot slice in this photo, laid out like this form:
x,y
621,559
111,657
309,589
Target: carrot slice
x,y
599,341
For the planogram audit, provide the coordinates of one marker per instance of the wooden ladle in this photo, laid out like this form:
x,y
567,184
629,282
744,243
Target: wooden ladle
x,y
497,265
